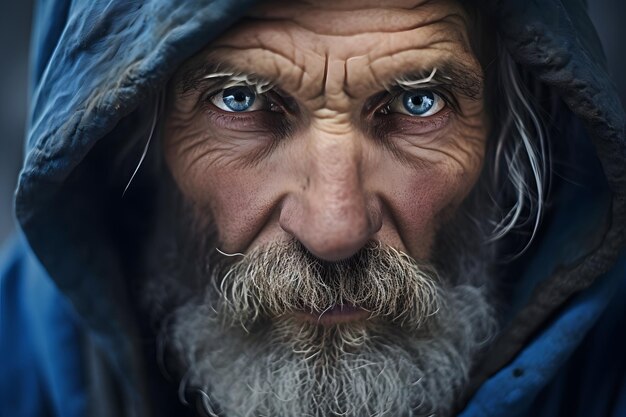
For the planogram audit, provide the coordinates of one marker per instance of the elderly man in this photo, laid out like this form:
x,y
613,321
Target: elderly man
x,y
346,208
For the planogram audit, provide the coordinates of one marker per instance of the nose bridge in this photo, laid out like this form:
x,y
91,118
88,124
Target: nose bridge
x,y
335,218
335,177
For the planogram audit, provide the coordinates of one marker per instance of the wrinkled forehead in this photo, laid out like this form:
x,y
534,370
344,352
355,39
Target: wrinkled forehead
x,y
344,46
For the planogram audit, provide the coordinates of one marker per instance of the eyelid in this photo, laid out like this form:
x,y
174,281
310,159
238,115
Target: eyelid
x,y
219,86
381,103
224,81
272,99
259,101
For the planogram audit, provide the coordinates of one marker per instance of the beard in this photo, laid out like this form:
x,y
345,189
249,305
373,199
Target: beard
x,y
236,330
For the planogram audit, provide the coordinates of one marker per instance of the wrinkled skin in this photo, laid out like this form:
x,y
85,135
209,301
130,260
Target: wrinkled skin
x,y
331,169
328,155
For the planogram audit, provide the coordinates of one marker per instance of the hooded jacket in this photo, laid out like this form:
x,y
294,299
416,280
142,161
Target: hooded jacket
x,y
70,343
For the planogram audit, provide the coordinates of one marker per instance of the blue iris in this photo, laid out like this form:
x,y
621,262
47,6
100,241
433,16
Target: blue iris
x,y
238,98
418,102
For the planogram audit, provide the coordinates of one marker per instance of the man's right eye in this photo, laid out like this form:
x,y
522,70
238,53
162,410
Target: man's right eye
x,y
239,99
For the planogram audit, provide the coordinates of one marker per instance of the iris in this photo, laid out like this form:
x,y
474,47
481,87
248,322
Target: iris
x,y
239,98
418,102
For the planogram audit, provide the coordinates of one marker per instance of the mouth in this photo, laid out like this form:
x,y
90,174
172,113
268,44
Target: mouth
x,y
336,314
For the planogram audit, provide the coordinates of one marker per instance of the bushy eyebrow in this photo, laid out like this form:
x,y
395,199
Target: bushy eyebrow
x,y
457,77
211,73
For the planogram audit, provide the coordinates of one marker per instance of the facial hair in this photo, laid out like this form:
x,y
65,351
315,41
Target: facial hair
x,y
231,325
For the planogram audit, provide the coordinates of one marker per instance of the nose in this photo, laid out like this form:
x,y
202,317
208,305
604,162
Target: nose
x,y
331,213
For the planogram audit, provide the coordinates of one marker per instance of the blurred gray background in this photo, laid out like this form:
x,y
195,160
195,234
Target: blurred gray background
x,y
15,19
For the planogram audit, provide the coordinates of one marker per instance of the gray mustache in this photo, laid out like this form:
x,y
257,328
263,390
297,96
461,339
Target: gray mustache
x,y
279,279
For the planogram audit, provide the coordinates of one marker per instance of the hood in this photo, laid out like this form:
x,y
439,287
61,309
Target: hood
x,y
97,68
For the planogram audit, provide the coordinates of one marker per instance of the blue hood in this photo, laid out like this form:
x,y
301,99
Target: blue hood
x,y
97,68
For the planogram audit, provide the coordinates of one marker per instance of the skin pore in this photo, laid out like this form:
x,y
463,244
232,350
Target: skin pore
x,y
329,155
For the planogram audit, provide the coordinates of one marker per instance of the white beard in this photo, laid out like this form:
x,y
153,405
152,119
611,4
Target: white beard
x,y
289,368
239,347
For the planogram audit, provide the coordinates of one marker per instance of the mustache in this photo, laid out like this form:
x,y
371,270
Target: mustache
x,y
277,280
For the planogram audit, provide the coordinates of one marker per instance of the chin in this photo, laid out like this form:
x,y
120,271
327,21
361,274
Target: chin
x,y
295,366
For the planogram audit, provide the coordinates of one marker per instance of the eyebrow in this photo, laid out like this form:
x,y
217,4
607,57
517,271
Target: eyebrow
x,y
456,76
212,73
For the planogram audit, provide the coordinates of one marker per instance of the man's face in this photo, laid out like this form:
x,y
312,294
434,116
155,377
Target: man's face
x,y
329,142
337,154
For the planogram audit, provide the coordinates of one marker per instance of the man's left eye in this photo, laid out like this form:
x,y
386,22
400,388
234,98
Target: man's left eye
x,y
238,99
419,103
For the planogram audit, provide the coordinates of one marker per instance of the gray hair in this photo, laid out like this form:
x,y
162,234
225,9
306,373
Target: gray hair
x,y
241,351
518,164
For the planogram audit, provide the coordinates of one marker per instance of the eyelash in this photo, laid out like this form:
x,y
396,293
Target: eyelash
x,y
396,91
273,98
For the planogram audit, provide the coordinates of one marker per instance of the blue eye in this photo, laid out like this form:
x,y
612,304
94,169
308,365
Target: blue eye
x,y
243,99
238,98
419,103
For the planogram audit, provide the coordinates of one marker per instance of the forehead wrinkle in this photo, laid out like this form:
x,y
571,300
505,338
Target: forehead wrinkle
x,y
311,77
240,64
433,37
366,76
335,21
333,5
263,49
424,59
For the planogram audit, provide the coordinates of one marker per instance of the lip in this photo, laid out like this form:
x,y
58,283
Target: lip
x,y
336,315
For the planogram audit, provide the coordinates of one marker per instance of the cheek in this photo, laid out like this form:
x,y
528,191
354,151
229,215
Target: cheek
x,y
420,204
237,202
235,195
240,203
420,197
